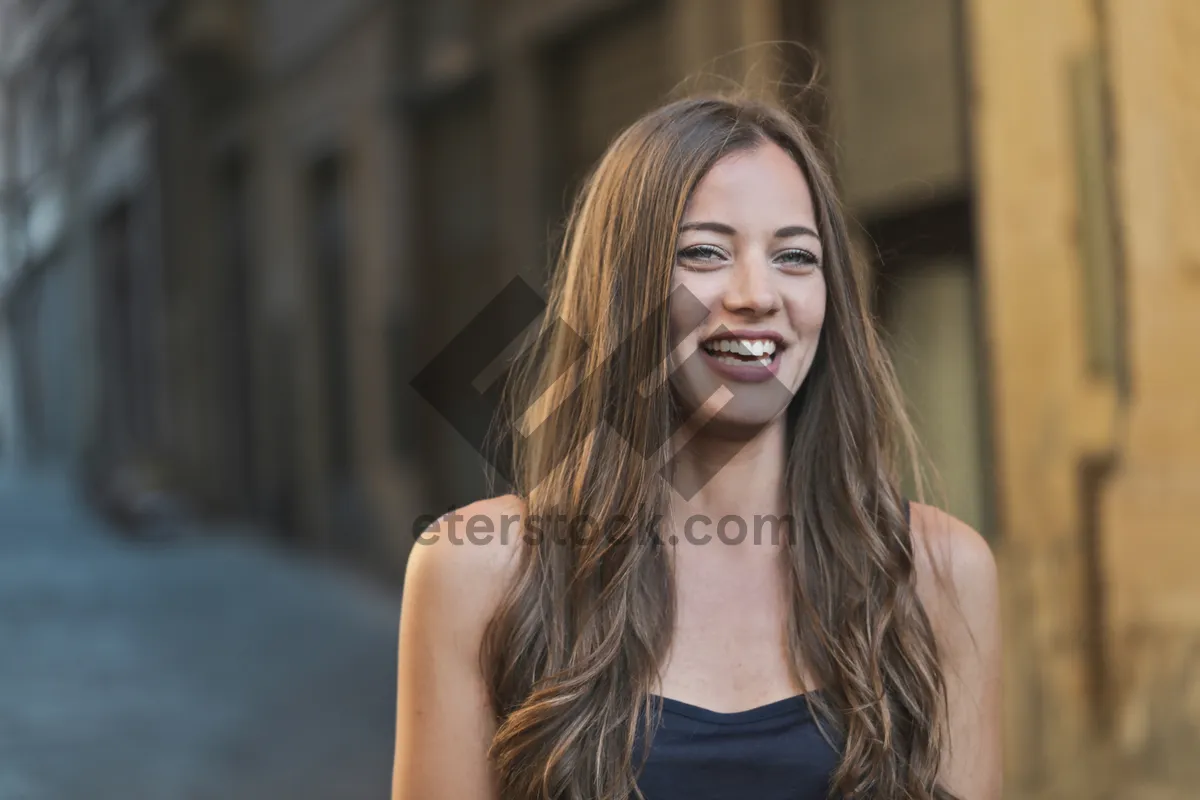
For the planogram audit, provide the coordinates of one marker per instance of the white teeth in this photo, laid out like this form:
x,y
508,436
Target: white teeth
x,y
740,350
751,348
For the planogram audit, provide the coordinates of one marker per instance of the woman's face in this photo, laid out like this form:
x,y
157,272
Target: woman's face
x,y
748,249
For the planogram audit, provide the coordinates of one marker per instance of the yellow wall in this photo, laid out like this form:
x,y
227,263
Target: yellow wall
x,y
1051,413
1031,275
1152,514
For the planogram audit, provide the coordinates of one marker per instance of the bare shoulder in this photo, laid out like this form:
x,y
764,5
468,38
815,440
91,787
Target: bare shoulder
x,y
457,573
950,545
958,587
468,554
956,571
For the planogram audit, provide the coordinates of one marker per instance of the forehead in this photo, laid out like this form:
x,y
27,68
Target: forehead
x,y
764,185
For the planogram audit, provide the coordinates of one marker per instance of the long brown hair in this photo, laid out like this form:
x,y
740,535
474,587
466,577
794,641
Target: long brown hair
x,y
573,653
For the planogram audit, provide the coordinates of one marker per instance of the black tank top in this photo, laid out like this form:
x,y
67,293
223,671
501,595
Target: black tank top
x,y
773,752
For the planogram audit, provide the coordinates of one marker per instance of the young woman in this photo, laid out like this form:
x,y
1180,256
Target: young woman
x,y
707,584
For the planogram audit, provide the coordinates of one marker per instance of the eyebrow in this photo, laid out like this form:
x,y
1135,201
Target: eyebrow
x,y
728,230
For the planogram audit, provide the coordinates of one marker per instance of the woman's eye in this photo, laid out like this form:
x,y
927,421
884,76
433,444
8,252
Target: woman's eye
x,y
798,259
702,253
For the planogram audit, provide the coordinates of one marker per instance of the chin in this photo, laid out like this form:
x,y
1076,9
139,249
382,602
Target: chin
x,y
743,415
733,428
747,415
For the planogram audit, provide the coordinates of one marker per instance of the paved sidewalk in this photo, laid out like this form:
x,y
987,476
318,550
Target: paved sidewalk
x,y
213,666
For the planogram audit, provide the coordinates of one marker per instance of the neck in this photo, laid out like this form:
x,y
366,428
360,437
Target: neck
x,y
747,474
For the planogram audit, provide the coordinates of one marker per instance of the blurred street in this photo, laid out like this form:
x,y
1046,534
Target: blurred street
x,y
205,666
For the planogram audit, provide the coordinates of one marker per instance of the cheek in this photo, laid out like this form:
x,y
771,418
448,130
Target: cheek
x,y
685,326
806,309
681,331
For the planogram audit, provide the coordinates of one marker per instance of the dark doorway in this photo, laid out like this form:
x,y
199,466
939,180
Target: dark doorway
x,y
456,253
327,182
125,372
23,310
238,360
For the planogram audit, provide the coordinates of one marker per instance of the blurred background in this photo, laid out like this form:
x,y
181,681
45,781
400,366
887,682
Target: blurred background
x,y
233,230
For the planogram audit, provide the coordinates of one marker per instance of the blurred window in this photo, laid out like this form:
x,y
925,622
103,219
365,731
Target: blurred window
x,y
601,79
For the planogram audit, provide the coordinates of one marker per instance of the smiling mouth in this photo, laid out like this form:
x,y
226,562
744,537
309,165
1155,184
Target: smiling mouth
x,y
742,351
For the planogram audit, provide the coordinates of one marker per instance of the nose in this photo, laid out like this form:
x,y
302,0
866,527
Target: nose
x,y
751,289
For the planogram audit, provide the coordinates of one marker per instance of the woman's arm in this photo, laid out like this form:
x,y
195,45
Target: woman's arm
x,y
444,721
959,589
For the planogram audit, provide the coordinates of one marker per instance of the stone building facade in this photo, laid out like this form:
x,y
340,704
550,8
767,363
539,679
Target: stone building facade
x,y
42,168
324,193
81,292
281,166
